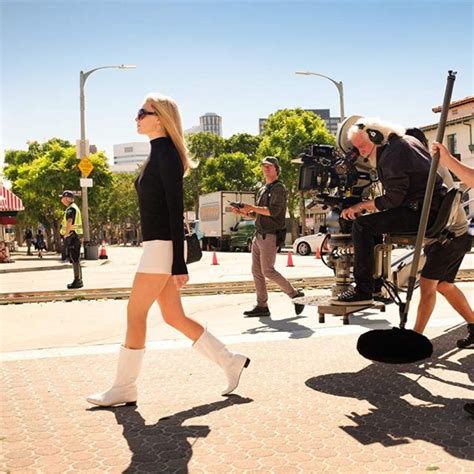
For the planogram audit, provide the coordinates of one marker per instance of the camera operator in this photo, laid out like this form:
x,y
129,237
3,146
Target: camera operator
x,y
403,165
270,235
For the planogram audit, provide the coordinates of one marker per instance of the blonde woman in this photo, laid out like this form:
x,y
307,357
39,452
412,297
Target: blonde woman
x,y
162,269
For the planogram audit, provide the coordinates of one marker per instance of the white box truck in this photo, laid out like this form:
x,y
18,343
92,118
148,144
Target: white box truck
x,y
216,216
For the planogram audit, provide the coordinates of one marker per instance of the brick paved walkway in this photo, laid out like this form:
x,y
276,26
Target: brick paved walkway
x,y
306,405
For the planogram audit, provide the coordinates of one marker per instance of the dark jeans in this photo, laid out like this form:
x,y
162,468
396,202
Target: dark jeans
x,y
73,245
367,231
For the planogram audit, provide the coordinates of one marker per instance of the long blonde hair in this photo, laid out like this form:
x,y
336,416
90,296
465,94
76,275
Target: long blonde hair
x,y
170,118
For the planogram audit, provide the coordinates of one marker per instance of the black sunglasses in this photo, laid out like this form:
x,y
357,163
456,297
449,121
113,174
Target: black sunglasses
x,y
142,113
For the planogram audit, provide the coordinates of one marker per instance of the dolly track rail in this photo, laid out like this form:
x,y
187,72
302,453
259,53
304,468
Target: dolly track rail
x,y
196,289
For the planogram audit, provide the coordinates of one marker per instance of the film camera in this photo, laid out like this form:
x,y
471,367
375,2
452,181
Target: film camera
x,y
337,179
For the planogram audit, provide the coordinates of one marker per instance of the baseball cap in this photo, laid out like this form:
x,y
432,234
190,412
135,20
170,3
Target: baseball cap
x,y
67,194
271,160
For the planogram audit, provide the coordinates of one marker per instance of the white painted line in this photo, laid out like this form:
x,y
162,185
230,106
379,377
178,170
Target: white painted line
x,y
171,344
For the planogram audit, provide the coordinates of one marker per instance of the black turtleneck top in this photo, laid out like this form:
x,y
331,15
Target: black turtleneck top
x,y
160,196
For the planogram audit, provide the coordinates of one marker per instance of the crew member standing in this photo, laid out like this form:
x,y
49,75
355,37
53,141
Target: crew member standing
x,y
270,214
71,231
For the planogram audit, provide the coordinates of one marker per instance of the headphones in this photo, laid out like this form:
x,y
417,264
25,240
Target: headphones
x,y
375,136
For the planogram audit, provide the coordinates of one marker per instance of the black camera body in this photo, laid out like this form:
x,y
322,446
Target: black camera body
x,y
336,180
237,204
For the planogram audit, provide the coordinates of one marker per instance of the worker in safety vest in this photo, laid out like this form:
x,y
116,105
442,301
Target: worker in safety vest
x,y
71,231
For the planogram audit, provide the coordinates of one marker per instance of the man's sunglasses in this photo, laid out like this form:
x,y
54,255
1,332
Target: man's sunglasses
x,y
142,113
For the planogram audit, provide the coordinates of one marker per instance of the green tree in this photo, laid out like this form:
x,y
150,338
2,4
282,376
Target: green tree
x,y
288,133
228,172
243,143
120,207
202,146
39,174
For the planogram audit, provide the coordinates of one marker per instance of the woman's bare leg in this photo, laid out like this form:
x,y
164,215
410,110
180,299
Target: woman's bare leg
x,y
145,290
204,342
169,300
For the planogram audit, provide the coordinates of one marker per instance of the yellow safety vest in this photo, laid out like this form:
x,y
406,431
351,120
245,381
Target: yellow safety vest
x,y
76,225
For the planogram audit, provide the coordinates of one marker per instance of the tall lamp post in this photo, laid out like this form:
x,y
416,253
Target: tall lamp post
x,y
340,89
338,84
83,151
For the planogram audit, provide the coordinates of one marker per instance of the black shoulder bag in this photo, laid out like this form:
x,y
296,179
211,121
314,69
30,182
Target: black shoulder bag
x,y
194,252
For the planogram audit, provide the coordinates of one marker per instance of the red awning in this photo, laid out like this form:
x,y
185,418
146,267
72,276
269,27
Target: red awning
x,y
9,201
7,220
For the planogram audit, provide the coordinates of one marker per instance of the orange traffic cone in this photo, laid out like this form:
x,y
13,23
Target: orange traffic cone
x,y
103,253
289,262
214,259
317,254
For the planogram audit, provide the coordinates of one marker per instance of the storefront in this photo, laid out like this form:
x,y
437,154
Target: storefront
x,y
10,206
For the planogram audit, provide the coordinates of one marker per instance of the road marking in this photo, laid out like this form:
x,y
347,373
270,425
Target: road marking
x,y
172,344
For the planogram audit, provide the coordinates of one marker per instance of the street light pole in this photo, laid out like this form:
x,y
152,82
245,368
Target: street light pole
x,y
338,84
340,89
82,147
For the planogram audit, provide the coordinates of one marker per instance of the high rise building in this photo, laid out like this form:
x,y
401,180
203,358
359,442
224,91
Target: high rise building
x,y
128,156
211,122
194,129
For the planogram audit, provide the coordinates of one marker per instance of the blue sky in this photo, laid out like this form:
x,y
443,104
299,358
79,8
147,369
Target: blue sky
x,y
234,58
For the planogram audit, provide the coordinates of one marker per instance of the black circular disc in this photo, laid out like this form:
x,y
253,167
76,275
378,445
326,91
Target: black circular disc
x,y
394,346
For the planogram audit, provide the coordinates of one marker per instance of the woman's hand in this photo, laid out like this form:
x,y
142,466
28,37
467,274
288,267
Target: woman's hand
x,y
180,280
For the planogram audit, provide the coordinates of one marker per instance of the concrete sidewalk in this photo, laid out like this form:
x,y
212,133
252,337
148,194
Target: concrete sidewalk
x,y
306,405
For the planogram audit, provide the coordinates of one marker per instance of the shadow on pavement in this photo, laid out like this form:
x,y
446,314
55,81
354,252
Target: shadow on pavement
x,y
366,319
289,325
397,418
164,446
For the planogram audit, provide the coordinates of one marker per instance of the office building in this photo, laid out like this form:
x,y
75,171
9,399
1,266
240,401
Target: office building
x,y
133,153
211,122
458,135
194,129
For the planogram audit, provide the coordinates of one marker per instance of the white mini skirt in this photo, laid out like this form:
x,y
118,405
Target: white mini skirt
x,y
157,257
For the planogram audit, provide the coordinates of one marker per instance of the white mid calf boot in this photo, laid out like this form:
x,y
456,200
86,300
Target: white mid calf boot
x,y
231,363
124,389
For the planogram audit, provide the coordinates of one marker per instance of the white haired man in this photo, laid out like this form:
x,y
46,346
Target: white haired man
x,y
403,165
